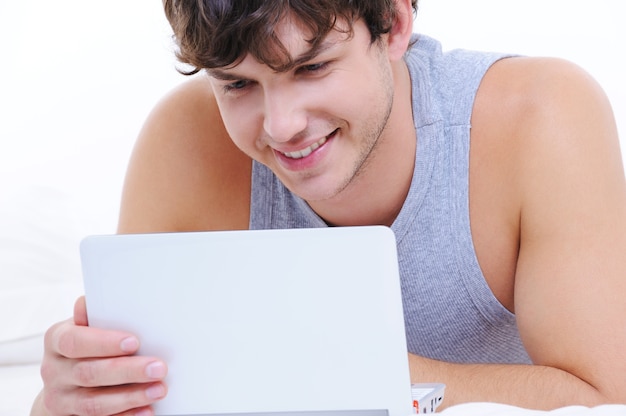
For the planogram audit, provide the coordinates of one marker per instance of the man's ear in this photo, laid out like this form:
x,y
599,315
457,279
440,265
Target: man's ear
x,y
401,30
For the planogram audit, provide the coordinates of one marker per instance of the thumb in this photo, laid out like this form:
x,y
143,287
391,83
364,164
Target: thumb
x,y
80,312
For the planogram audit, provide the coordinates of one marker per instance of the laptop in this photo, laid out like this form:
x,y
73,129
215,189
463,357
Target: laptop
x,y
296,322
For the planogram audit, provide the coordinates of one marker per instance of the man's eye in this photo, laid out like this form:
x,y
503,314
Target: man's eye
x,y
313,67
236,86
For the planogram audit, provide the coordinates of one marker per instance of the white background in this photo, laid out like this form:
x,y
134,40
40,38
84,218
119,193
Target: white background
x,y
78,77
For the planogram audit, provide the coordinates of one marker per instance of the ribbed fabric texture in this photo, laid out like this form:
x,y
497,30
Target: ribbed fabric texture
x,y
450,312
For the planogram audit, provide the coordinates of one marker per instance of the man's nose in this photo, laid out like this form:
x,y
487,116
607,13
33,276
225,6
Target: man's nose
x,y
284,116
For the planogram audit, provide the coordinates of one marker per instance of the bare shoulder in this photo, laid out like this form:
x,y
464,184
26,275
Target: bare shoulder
x,y
543,136
535,97
185,173
547,118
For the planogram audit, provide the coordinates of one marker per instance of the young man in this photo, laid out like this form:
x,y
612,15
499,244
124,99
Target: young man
x,y
501,178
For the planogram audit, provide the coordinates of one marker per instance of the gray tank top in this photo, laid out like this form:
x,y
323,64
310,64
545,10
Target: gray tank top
x,y
450,312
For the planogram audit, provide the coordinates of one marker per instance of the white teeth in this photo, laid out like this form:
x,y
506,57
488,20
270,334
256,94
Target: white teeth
x,y
299,154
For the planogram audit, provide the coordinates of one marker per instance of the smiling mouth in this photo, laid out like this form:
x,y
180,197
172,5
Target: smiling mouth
x,y
299,154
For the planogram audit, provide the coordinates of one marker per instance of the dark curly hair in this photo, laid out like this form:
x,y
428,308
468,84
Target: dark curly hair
x,y
219,33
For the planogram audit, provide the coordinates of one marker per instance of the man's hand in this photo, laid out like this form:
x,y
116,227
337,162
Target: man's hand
x,y
92,372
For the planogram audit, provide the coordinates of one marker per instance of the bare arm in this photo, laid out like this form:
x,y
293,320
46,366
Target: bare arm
x,y
527,386
570,274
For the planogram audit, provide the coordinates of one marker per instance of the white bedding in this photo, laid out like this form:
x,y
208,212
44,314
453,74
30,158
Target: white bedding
x,y
492,409
19,384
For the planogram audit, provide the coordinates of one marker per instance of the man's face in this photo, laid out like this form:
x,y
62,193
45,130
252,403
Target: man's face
x,y
316,125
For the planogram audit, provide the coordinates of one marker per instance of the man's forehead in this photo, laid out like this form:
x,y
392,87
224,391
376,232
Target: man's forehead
x,y
301,44
296,53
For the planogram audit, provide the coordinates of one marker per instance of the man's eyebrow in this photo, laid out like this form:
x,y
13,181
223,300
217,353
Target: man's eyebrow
x,y
313,52
222,75
306,56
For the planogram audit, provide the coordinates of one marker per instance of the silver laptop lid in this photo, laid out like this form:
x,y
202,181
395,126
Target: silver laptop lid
x,y
302,320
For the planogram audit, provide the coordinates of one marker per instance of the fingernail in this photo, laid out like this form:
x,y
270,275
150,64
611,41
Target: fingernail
x,y
156,370
129,344
155,392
